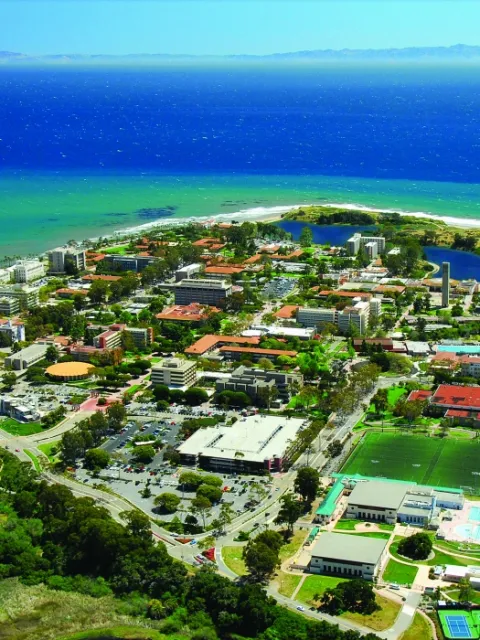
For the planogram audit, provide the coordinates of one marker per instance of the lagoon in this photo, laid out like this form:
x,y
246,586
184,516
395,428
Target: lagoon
x,y
335,235
463,265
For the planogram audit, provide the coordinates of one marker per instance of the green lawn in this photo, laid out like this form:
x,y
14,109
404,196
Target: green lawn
x,y
349,525
115,633
399,573
380,535
419,628
34,459
121,250
232,557
316,585
432,461
294,544
439,558
381,619
287,583
454,593
16,428
47,450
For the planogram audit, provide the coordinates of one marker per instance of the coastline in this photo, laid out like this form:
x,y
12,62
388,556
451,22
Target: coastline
x,y
272,214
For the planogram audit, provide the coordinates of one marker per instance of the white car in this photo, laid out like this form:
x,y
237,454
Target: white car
x,y
300,608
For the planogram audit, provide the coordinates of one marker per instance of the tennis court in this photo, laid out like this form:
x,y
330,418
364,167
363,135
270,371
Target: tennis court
x,y
458,624
421,459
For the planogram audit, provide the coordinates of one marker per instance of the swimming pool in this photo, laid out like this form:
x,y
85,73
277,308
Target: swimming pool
x,y
469,532
458,348
474,514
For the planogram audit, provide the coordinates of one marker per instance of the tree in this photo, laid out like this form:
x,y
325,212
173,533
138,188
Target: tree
x,y
203,507
51,354
355,596
335,448
265,364
380,400
289,511
9,379
117,414
190,481
417,547
143,453
161,392
213,494
260,559
466,591
206,543
307,483
79,302
225,516
194,396
306,237
168,502
98,291
97,459
267,394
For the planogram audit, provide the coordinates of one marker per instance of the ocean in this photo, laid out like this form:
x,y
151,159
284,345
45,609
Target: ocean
x,y
87,151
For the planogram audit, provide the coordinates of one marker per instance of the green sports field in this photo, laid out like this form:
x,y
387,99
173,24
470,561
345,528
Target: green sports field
x,y
433,461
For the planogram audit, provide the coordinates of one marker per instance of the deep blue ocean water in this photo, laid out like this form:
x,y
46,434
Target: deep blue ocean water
x,y
387,123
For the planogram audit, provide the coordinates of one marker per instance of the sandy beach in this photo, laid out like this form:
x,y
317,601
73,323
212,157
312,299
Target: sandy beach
x,y
272,214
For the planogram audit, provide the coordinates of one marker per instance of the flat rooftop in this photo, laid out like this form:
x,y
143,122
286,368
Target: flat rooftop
x,y
378,495
349,548
256,438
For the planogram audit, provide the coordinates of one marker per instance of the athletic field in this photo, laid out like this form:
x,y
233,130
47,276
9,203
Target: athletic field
x,y
433,461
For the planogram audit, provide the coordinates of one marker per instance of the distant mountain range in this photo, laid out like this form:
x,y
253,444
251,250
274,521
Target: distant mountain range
x,y
428,54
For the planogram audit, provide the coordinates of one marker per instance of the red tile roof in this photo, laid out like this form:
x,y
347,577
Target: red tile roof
x,y
71,292
288,311
92,277
420,394
187,313
208,342
224,271
258,351
345,294
457,396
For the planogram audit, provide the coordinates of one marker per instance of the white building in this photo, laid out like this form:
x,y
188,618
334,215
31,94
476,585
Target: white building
x,y
253,444
372,250
187,271
357,240
470,366
28,270
16,330
348,556
204,291
356,315
27,296
63,260
174,372
26,357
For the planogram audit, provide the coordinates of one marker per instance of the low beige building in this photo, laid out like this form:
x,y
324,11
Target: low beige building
x,y
174,372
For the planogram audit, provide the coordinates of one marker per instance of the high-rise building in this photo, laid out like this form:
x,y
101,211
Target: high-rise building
x,y
445,284
356,241
68,260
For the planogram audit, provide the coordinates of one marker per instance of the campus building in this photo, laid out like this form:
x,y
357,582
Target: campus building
x,y
348,556
129,263
187,271
26,296
357,241
251,445
64,260
174,372
391,502
112,337
210,292
9,306
207,344
253,353
254,381
356,315
193,312
15,330
27,270
27,357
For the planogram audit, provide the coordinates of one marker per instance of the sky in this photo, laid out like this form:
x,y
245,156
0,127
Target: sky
x,y
222,27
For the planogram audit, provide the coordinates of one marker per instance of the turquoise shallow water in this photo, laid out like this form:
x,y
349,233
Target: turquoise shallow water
x,y
39,210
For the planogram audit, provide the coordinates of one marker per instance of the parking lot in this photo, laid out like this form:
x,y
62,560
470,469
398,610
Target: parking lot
x,y
279,287
244,493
